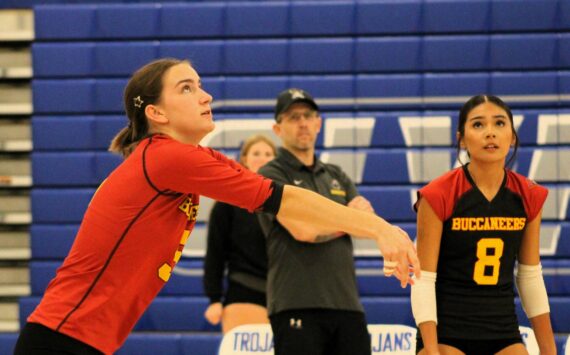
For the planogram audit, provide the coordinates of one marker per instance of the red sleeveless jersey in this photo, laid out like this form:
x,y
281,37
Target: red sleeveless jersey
x,y
479,246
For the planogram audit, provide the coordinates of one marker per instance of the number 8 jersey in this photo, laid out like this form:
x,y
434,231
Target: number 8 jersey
x,y
479,245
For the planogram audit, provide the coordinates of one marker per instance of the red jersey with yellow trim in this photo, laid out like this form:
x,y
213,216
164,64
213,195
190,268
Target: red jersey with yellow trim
x,y
479,246
132,235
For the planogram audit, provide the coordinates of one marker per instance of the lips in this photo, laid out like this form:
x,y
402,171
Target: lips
x,y
491,146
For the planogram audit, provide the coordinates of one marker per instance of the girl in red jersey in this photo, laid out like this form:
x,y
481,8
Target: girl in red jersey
x,y
140,218
474,222
236,244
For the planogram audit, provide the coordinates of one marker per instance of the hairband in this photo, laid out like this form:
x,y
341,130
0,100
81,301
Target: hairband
x,y
138,101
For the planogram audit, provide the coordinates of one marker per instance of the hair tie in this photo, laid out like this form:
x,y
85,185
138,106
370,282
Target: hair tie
x,y
138,101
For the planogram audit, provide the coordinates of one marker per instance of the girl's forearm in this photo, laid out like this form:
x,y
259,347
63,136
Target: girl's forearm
x,y
322,215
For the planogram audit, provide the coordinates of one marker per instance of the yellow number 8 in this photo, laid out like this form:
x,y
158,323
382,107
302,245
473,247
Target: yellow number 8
x,y
484,260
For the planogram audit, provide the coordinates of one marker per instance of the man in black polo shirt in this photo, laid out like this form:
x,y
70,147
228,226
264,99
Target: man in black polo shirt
x,y
312,296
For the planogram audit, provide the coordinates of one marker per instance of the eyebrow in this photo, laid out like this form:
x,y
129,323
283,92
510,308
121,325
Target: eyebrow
x,y
481,117
191,81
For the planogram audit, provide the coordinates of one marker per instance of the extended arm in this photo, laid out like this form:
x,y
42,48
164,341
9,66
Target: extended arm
x,y
319,214
208,173
300,232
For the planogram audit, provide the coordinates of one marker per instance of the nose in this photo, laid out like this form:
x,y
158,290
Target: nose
x,y
491,133
207,98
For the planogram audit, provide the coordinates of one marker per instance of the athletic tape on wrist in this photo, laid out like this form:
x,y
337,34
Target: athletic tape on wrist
x,y
424,307
532,291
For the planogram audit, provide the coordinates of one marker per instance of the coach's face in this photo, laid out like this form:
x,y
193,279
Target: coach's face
x,y
298,127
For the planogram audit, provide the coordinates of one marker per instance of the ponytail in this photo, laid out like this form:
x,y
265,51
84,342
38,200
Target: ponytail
x,y
129,137
123,142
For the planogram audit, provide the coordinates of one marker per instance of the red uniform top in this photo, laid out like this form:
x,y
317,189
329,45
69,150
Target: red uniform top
x,y
132,235
480,243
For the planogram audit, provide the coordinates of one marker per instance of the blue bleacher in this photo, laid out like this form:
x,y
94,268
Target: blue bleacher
x,y
447,53
546,165
387,54
81,96
59,205
389,129
533,15
284,56
51,241
207,56
297,18
255,57
512,52
564,49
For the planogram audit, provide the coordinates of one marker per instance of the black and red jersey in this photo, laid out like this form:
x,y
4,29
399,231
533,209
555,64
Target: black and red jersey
x,y
132,235
479,246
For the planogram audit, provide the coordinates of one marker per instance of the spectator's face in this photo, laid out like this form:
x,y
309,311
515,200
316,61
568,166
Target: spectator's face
x,y
184,105
298,127
258,155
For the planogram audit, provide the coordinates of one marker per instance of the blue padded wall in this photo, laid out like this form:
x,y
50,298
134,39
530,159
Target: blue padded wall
x,y
299,18
442,53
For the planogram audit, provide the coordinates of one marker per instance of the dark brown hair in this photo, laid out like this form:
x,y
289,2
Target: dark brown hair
x,y
144,88
470,105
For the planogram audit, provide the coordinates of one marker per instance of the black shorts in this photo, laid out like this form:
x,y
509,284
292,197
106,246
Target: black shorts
x,y
36,339
238,293
320,332
475,346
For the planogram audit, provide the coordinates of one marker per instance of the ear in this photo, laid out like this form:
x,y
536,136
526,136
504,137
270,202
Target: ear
x,y
155,114
320,123
277,129
458,139
514,142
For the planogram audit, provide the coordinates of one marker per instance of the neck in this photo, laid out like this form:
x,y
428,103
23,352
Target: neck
x,y
192,140
487,175
307,157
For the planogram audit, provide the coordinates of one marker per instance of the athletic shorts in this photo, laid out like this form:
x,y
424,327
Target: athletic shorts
x,y
320,332
475,346
36,339
238,293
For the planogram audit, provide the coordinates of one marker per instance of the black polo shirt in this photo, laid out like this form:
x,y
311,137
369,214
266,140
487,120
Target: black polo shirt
x,y
308,275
